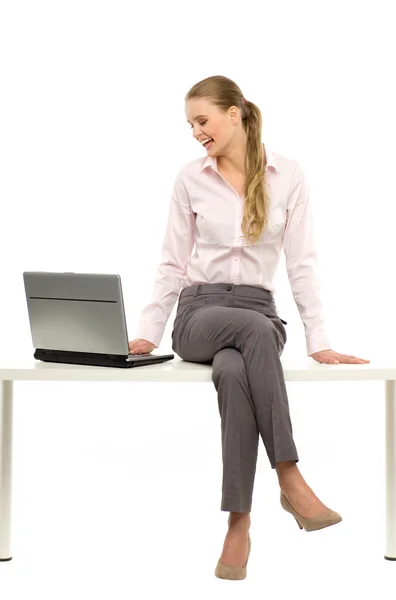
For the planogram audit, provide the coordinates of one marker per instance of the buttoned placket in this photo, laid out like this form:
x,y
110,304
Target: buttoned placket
x,y
236,251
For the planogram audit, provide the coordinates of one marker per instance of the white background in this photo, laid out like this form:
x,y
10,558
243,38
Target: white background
x,y
117,487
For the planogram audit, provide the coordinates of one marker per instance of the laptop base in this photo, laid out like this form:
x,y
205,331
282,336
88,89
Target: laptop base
x,y
96,360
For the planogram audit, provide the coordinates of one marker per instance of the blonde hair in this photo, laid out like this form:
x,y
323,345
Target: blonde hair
x,y
224,93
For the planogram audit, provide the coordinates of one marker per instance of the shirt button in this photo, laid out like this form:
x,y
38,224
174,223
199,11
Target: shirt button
x,y
229,288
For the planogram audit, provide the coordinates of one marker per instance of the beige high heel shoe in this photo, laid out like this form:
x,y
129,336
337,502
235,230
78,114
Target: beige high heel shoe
x,y
224,571
325,519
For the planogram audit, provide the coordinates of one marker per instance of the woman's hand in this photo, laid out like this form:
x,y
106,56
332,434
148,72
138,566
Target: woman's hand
x,y
334,358
140,346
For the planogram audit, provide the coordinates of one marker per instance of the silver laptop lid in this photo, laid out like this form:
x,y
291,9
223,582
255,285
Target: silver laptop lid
x,y
78,312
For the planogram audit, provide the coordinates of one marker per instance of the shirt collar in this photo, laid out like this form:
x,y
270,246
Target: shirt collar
x,y
212,161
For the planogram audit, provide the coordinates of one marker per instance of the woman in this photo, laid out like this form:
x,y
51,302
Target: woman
x,y
226,314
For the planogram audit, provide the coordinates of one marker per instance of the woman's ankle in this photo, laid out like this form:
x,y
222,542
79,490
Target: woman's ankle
x,y
288,473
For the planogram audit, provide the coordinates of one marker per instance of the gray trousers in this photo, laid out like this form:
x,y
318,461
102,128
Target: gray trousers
x,y
236,329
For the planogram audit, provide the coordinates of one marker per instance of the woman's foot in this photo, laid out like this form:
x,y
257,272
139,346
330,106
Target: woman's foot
x,y
304,501
297,491
235,548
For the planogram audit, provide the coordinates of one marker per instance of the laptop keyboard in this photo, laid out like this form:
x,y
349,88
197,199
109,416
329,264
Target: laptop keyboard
x,y
135,356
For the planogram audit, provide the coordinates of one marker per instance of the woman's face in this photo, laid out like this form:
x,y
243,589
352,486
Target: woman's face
x,y
208,121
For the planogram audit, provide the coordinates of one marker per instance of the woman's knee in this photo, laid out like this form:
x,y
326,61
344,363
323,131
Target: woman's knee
x,y
228,362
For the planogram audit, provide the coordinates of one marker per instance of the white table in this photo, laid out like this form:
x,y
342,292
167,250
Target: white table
x,y
178,370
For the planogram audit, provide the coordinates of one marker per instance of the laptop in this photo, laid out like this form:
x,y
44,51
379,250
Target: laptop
x,y
79,318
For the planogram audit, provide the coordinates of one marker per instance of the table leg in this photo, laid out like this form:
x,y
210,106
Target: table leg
x,y
390,470
6,388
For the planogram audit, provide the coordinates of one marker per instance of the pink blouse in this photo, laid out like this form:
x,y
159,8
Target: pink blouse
x,y
204,243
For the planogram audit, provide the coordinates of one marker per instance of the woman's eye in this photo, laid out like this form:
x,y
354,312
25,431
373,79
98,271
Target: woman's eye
x,y
203,123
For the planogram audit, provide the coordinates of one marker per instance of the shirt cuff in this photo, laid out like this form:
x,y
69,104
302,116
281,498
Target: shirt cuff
x,y
317,341
151,333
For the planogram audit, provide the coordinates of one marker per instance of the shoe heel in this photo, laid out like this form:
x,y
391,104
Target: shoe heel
x,y
298,523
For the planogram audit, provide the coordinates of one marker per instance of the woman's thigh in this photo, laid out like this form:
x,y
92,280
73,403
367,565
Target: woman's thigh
x,y
206,324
